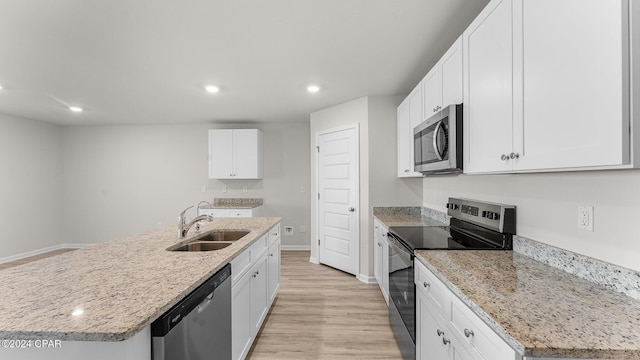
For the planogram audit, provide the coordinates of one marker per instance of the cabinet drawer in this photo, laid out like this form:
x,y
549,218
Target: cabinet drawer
x,y
274,234
239,213
216,213
240,265
259,247
475,335
433,289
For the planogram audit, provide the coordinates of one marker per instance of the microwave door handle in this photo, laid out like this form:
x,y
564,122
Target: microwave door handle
x,y
435,140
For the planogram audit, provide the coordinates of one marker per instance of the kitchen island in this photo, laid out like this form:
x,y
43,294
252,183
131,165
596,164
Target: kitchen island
x,y
102,299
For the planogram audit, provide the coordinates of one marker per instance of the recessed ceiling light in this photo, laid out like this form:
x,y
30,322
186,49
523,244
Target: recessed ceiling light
x,y
0,87
75,109
212,88
313,88
77,312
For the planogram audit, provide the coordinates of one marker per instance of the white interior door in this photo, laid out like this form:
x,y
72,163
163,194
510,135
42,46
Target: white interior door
x,y
338,200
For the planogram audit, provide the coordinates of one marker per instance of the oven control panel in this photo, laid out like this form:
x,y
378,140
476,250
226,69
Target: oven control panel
x,y
494,216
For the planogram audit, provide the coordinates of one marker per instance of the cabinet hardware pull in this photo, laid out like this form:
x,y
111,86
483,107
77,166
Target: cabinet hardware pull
x,y
514,155
425,284
468,333
445,341
406,170
504,157
440,332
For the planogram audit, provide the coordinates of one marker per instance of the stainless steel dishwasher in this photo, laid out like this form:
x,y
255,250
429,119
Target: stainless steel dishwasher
x,y
199,326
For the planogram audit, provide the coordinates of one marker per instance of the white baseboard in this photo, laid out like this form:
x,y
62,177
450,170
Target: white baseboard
x,y
295,247
314,260
42,251
367,279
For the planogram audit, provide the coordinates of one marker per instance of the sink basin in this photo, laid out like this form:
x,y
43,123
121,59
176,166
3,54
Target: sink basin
x,y
222,235
202,246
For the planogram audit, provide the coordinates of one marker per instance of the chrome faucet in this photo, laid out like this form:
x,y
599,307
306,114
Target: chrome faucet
x,y
183,226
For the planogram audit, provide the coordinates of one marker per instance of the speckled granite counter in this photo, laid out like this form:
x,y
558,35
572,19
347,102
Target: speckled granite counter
x,y
122,285
234,203
539,310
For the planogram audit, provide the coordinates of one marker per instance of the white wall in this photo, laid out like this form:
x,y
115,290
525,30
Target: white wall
x,y
121,180
30,185
547,208
379,185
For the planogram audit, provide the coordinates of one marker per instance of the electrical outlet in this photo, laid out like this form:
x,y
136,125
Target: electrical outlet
x,y
585,218
288,230
244,189
224,188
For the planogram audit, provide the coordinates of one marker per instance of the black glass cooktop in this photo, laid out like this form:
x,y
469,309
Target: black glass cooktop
x,y
459,236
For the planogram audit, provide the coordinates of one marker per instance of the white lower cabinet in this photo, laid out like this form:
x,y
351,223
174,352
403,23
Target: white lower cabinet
x,y
259,297
381,258
255,282
447,329
273,272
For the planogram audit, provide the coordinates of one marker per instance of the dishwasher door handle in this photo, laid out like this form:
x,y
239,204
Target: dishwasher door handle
x,y
205,303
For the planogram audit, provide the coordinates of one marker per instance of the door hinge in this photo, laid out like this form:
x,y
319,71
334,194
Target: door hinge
x,y
318,148
318,196
318,242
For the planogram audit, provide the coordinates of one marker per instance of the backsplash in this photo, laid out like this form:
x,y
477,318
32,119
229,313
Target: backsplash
x,y
611,276
435,214
239,202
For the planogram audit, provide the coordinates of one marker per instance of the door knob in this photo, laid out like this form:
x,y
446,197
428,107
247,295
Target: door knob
x,y
352,209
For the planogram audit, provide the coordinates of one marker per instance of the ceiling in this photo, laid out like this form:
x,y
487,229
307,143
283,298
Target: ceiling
x,y
146,61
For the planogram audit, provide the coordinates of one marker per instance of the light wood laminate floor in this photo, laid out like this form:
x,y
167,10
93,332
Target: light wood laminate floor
x,y
33,258
323,313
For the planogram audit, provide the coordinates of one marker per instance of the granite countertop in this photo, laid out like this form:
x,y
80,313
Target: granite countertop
x,y
122,285
233,203
539,310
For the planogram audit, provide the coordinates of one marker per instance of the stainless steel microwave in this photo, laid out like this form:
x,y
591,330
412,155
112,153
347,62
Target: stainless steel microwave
x,y
437,142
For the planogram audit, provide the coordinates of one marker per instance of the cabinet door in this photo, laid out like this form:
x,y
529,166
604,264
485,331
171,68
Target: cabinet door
x,y
431,333
377,254
273,272
432,91
220,154
405,139
247,149
451,70
487,78
241,324
385,266
575,83
259,294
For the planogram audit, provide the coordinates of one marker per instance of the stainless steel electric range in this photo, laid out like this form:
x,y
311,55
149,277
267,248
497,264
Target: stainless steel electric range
x,y
475,225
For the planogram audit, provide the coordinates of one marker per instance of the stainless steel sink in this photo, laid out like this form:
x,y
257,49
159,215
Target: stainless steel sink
x,y
211,240
202,246
222,235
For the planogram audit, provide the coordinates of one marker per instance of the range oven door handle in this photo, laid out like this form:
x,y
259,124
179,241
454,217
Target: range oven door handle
x,y
398,243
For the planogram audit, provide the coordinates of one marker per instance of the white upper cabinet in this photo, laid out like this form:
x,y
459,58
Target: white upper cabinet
x,y
409,116
488,95
443,84
546,86
575,83
235,154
